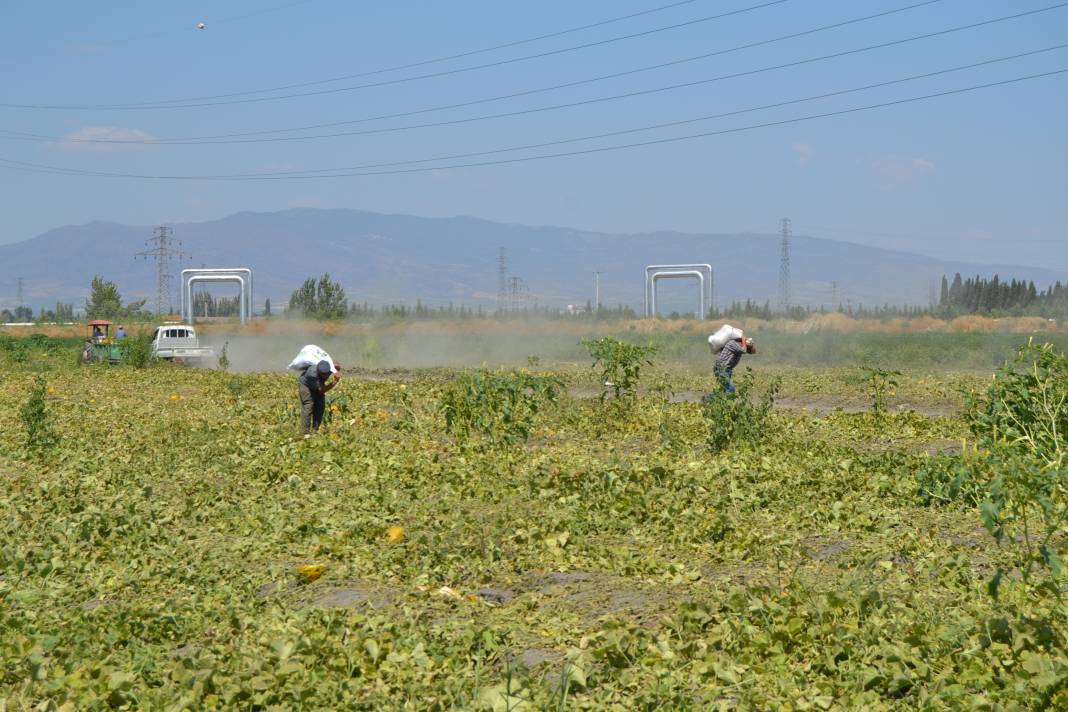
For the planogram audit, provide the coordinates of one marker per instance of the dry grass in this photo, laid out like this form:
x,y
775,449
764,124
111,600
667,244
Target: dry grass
x,y
838,323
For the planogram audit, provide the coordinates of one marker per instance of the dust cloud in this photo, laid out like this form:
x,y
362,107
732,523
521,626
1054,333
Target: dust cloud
x,y
269,346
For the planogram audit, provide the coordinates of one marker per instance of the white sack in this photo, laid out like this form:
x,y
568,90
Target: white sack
x,y
722,335
311,355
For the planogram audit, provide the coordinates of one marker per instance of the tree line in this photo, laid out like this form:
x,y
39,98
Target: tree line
x,y
323,298
22,314
979,295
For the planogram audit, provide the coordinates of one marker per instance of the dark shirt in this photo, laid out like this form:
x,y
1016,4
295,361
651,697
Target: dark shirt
x,y
730,355
311,379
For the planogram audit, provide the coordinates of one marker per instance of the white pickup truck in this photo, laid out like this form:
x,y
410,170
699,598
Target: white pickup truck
x,y
178,342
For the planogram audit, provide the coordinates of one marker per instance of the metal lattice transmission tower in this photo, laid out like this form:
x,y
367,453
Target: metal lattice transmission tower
x,y
163,248
20,293
502,281
518,293
784,267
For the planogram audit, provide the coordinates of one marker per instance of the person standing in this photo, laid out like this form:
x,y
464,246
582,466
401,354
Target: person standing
x,y
121,333
728,358
313,384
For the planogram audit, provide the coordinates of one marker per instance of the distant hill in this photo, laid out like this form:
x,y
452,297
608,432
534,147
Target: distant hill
x,y
401,258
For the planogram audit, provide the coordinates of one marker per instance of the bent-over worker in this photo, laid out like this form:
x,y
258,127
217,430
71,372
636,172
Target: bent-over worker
x,y
314,382
728,358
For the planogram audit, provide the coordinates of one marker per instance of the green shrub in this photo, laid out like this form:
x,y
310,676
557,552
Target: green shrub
x,y
137,350
731,417
1019,424
224,361
1024,411
37,420
620,363
881,383
500,407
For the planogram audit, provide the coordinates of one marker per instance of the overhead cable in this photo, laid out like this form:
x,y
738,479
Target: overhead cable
x,y
681,122
237,138
188,103
526,159
451,57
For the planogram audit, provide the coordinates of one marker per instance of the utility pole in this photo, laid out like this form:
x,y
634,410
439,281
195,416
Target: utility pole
x,y
502,281
162,247
784,268
834,296
597,291
20,293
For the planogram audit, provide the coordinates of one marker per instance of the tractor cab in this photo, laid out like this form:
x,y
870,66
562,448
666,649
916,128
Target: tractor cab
x,y
100,343
98,331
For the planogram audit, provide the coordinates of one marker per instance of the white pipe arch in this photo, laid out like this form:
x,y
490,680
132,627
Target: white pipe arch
x,y
187,294
702,272
240,275
187,303
680,274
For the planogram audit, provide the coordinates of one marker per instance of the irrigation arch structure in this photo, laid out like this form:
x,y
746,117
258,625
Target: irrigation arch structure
x,y
702,272
242,276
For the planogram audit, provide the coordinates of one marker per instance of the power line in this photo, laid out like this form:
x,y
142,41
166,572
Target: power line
x,y
526,159
177,103
671,124
437,60
225,138
610,134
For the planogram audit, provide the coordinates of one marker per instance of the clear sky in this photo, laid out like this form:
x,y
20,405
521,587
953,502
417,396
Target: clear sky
x,y
981,175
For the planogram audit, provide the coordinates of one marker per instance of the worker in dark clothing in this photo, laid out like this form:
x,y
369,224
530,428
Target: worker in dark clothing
x,y
314,382
728,358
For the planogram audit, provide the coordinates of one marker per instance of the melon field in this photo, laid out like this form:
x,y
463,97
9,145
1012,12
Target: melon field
x,y
525,538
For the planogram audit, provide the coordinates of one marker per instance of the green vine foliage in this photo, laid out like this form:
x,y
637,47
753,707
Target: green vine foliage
x,y
152,561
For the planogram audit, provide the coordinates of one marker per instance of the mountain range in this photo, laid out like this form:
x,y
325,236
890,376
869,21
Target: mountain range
x,y
382,258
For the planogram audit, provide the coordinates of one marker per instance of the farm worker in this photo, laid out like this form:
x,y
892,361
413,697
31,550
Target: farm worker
x,y
729,357
98,335
121,333
314,382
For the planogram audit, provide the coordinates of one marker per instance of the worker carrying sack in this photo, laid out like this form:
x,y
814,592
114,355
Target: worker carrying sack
x,y
722,335
311,355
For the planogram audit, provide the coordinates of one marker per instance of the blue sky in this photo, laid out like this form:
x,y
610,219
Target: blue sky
x,y
979,176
